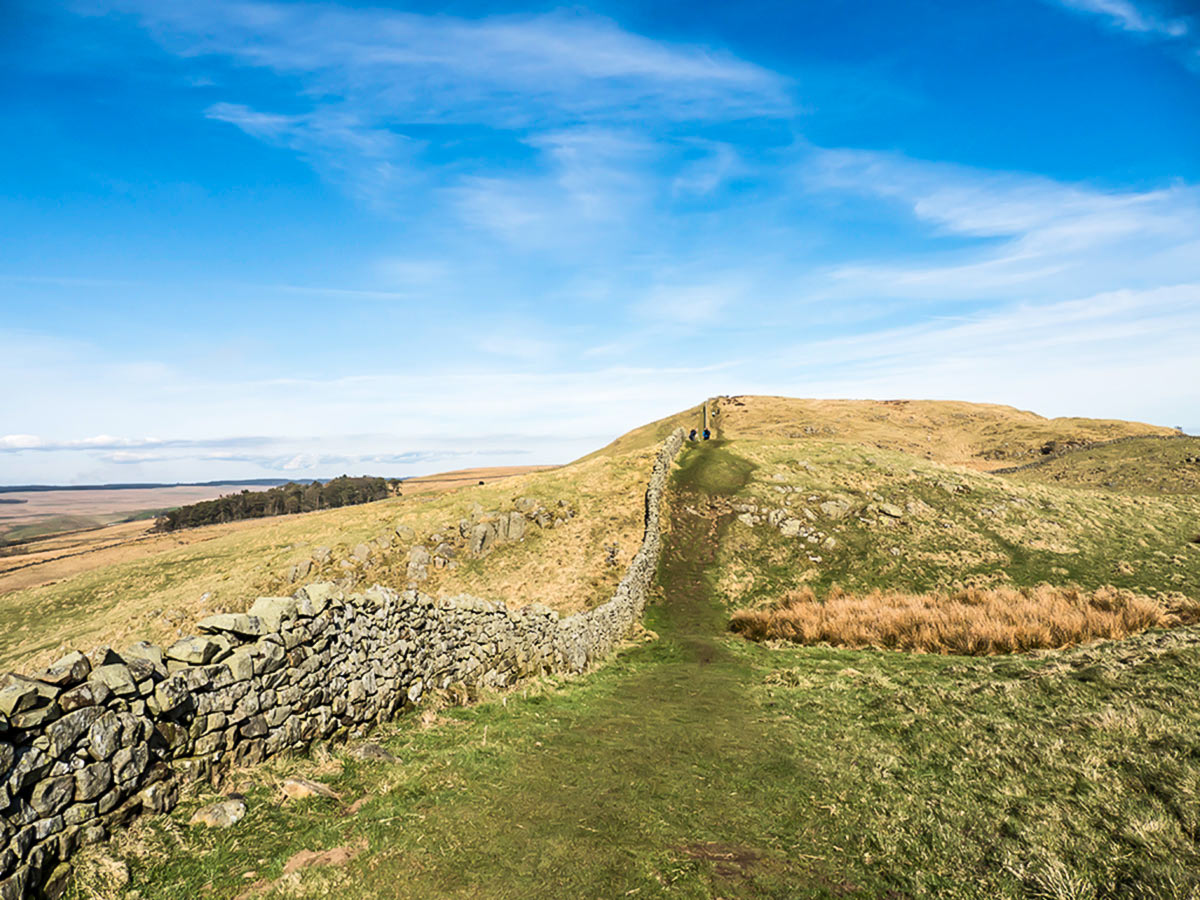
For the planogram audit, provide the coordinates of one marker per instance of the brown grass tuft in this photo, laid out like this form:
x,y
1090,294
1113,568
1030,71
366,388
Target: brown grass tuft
x,y
973,621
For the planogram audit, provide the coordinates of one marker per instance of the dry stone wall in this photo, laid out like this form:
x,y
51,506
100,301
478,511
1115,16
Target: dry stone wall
x,y
99,738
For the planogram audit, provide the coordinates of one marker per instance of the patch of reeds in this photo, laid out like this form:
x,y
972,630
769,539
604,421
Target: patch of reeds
x,y
973,621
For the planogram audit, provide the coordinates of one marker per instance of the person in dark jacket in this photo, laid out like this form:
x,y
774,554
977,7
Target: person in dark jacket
x,y
692,436
707,434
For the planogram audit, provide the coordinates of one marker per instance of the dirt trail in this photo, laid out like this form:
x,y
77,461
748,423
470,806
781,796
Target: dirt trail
x,y
672,759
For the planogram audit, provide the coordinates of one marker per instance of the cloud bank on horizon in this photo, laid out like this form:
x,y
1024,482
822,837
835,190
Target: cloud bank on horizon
x,y
256,238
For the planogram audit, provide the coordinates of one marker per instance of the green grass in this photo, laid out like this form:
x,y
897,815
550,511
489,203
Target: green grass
x,y
704,766
1145,466
958,528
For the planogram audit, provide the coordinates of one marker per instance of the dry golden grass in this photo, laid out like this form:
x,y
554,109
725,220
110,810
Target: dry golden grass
x,y
155,587
974,621
977,435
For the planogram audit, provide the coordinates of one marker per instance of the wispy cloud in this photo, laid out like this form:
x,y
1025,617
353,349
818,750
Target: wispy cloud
x,y
509,71
1006,236
369,77
1127,15
1148,20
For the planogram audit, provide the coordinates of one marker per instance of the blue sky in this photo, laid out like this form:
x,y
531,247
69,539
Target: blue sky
x,y
248,239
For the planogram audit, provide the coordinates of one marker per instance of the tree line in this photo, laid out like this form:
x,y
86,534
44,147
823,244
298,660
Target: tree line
x,y
277,501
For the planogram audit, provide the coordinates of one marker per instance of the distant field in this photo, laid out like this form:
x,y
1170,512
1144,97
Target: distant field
x,y
55,511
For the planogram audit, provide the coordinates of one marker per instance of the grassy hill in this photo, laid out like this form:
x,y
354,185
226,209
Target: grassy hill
x,y
958,526
864,518
974,435
158,586
1138,466
703,765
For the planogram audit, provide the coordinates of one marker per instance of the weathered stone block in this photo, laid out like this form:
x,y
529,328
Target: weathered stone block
x,y
92,781
274,611
51,796
116,677
128,763
17,694
195,651
144,652
66,731
172,695
254,727
102,739
70,670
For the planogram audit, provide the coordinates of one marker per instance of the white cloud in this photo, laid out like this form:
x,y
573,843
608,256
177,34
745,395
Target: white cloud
x,y
299,461
506,70
368,77
1011,236
373,162
1130,16
20,442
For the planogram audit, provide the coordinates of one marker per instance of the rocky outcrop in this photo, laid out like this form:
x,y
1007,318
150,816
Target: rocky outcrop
x,y
97,739
475,535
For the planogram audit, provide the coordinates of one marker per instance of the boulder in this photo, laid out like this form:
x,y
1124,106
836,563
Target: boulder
x,y
405,534
834,509
171,695
299,570
130,762
222,814
372,751
321,555
66,731
102,656
362,553
419,555
17,694
890,509
297,788
483,537
241,664
791,527
516,526
315,597
103,735
151,653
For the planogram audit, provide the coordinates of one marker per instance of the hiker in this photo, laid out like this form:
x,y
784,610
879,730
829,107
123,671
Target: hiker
x,y
692,436
707,434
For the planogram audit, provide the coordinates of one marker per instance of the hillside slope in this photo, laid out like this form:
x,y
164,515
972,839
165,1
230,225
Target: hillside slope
x,y
1136,466
977,435
957,525
570,562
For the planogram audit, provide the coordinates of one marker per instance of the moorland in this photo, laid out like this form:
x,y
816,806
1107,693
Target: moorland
x,y
1027,724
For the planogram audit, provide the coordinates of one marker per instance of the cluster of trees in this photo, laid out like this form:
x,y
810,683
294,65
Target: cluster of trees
x,y
277,501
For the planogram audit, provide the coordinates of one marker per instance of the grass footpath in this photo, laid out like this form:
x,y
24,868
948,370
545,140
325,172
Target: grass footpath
x,y
701,765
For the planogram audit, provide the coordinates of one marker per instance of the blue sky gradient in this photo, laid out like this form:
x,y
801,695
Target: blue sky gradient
x,y
242,239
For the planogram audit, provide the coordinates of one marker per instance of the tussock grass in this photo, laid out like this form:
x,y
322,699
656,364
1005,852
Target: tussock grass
x,y
972,621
